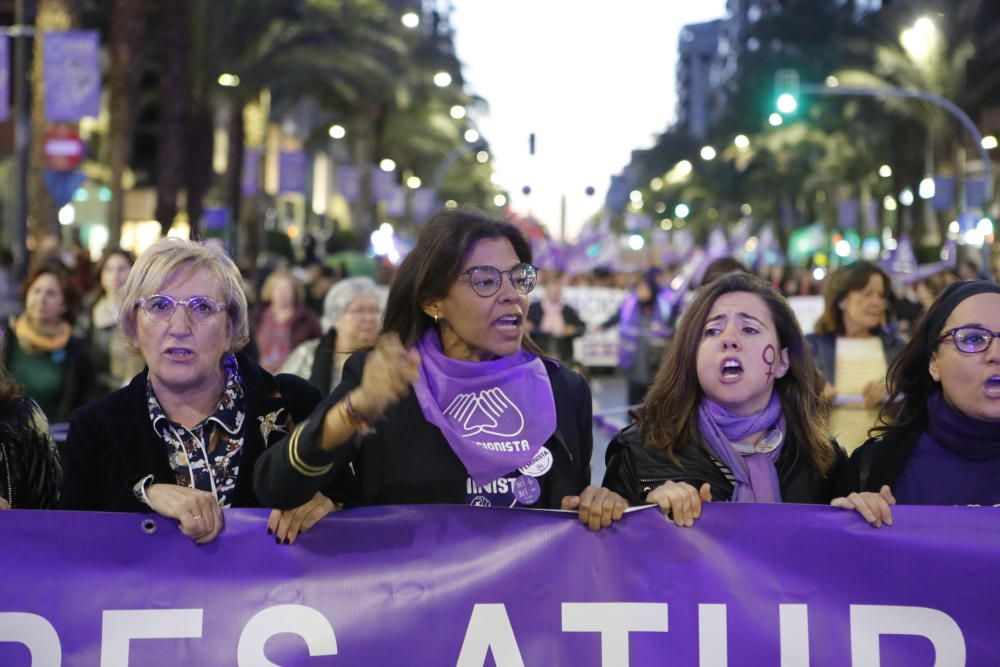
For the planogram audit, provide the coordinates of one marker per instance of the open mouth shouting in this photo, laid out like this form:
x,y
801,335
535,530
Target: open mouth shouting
x,y
992,386
509,324
731,371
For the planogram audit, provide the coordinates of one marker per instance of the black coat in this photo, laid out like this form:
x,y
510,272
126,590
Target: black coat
x,y
112,444
634,470
29,462
879,461
408,460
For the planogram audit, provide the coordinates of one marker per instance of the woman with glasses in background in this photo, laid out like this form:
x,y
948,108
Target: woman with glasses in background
x,y
182,438
938,438
454,404
351,312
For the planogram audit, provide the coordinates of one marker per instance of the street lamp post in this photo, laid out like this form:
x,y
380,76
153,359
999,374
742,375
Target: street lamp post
x,y
926,96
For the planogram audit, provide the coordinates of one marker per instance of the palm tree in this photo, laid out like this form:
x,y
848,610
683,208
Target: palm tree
x,y
175,52
127,30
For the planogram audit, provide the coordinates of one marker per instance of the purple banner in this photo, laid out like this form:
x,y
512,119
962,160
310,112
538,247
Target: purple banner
x,y
382,184
4,77
395,205
848,213
423,204
293,170
349,182
448,585
72,70
250,176
944,193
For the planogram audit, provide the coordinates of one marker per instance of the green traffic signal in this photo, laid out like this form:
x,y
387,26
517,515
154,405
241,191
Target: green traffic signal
x,y
787,103
786,91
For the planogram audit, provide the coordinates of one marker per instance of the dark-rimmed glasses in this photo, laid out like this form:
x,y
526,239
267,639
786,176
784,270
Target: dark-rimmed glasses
x,y
160,308
486,280
970,340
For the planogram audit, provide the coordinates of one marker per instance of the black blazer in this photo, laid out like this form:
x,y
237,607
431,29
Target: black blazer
x,y
408,460
112,444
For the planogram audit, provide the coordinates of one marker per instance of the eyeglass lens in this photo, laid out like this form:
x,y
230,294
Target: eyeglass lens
x,y
486,280
972,339
160,308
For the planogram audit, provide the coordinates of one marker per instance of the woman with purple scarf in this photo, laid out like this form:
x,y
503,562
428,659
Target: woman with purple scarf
x,y
488,422
643,333
734,413
938,437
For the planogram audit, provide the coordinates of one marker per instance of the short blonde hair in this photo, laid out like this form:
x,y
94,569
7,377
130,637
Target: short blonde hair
x,y
165,257
282,274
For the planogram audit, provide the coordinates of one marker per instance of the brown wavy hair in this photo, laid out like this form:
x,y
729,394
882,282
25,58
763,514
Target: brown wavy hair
x,y
668,418
432,267
852,278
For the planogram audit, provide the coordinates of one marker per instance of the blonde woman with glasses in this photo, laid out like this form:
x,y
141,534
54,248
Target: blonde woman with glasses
x,y
182,438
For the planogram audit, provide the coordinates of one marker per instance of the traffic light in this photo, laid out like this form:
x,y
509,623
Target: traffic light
x,y
786,91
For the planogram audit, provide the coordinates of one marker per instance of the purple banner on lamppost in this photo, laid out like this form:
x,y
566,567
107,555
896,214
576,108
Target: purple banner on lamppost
x,y
4,77
72,67
349,182
293,170
250,175
382,184
422,204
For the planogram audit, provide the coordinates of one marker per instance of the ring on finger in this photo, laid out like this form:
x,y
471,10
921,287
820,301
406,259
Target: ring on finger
x,y
196,517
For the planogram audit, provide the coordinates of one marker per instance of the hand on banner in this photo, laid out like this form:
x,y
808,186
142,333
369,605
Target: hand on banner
x,y
389,371
874,393
680,501
288,524
874,507
598,507
197,511
4,505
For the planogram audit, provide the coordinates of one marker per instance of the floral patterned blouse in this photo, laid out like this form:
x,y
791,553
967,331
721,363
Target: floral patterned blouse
x,y
192,455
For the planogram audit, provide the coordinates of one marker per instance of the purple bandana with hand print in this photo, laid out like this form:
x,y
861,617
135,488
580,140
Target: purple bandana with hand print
x,y
494,414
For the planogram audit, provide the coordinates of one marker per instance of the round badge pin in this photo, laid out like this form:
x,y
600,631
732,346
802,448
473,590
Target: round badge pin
x,y
527,490
539,464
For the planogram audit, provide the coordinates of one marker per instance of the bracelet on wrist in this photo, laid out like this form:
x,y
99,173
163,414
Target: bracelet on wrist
x,y
354,419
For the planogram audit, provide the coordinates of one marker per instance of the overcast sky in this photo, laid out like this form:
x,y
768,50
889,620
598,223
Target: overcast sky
x,y
593,80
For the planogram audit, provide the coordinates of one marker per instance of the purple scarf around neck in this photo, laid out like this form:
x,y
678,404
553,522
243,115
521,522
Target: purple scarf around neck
x,y
495,415
972,439
751,465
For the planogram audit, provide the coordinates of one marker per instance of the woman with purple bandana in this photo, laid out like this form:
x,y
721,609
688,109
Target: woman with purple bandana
x,y
489,422
938,438
643,333
734,413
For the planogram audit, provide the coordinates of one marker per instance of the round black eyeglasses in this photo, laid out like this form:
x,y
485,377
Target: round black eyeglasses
x,y
487,280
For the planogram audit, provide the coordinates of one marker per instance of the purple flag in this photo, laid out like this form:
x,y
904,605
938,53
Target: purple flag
x,y
72,69
4,77
944,193
976,192
848,211
382,184
422,204
349,182
250,176
395,205
293,169
447,585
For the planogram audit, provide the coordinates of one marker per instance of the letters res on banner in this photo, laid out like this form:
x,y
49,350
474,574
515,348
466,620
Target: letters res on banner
x,y
446,585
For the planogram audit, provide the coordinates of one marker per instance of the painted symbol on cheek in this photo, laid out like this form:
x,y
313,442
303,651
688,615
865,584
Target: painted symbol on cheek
x,y
769,356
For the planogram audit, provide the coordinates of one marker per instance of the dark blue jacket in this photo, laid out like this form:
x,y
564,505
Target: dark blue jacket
x,y
824,349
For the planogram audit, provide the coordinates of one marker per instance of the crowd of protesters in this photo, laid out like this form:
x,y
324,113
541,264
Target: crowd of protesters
x,y
188,389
